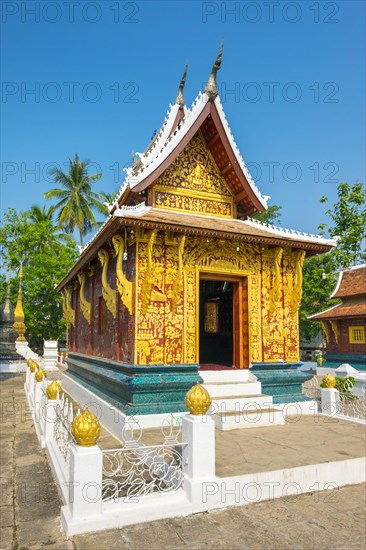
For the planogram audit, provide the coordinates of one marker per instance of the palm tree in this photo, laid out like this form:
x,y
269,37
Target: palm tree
x,y
39,214
77,200
108,199
42,215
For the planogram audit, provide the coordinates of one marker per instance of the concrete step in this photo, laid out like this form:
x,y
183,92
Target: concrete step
x,y
257,418
232,389
234,375
239,403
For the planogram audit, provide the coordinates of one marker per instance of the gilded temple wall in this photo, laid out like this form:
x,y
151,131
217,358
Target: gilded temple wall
x,y
154,316
167,317
102,312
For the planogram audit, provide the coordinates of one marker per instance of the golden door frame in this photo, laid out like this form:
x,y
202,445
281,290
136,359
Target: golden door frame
x,y
238,317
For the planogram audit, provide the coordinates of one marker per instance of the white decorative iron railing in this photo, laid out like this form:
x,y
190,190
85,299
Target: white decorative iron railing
x,y
137,470
62,426
44,398
42,412
349,404
312,389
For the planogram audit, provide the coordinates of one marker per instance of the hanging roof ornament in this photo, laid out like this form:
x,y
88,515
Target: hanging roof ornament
x,y
180,99
211,87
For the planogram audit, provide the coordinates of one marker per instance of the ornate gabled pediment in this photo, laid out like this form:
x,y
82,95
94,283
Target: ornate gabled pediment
x,y
193,183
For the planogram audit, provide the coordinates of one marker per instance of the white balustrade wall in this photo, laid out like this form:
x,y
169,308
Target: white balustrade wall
x,y
104,489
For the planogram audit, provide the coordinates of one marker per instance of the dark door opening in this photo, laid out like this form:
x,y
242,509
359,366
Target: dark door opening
x,y
216,322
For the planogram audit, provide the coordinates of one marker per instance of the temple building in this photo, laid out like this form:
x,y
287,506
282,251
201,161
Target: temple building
x,y
180,277
344,325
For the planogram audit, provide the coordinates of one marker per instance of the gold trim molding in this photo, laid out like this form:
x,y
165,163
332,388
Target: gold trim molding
x,y
85,306
326,330
296,293
109,295
275,292
178,283
68,312
335,329
123,285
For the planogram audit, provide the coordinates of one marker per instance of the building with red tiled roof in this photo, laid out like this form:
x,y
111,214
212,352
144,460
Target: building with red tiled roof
x,y
344,324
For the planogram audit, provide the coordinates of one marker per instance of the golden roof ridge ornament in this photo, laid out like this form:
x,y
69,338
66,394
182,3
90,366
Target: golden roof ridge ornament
x,y
180,99
211,87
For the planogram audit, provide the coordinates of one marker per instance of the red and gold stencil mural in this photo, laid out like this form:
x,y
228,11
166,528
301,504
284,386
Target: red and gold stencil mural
x,y
168,273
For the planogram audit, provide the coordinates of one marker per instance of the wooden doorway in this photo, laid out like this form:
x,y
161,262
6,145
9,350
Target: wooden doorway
x,y
221,327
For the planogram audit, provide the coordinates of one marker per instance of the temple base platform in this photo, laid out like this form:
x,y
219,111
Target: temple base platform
x,y
134,389
283,381
241,398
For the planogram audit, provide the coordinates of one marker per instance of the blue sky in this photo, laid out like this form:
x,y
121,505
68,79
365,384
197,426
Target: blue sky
x,y
103,74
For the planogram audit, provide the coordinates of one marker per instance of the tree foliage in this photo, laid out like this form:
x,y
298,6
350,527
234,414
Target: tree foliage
x,y
271,215
348,217
46,259
319,280
349,224
76,200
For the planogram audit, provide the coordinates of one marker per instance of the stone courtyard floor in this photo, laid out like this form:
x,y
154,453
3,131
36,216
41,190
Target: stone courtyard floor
x,y
333,519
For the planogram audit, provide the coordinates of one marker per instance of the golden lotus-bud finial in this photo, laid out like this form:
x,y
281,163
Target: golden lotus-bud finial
x,y
32,365
54,388
329,381
198,400
40,374
86,429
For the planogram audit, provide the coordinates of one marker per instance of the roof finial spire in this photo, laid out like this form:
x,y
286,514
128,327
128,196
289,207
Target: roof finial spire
x,y
19,325
180,99
211,88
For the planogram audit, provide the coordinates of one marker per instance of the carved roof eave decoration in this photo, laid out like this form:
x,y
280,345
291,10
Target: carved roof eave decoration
x,y
89,251
313,248
169,143
193,224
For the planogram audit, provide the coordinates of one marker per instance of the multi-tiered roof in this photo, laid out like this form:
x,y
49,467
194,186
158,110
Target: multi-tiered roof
x,y
134,207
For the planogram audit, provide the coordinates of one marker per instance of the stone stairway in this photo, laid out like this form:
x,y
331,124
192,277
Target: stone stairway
x,y
238,402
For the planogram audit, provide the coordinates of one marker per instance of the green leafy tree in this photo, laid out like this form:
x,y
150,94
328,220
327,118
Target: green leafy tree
x,y
271,215
319,280
320,273
76,200
349,224
45,261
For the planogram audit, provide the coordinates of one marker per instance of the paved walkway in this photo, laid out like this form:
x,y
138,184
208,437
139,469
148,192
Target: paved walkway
x,y
30,507
303,440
